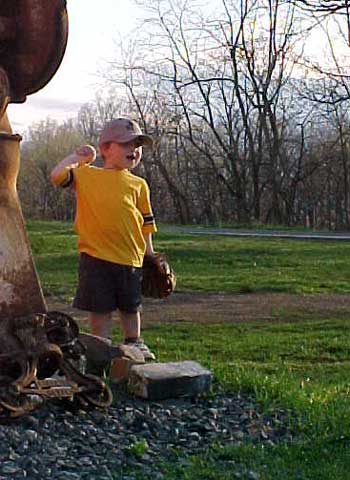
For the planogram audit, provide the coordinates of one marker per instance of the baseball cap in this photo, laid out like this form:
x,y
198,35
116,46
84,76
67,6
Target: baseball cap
x,y
123,130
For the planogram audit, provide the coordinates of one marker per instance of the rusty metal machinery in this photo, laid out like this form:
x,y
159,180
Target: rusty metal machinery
x,y
39,360
33,38
39,350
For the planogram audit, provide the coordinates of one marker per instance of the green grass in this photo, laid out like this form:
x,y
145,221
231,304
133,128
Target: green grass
x,y
300,366
54,247
221,264
296,462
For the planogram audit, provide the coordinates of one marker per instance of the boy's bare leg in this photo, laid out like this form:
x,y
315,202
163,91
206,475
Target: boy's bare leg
x,y
131,324
101,324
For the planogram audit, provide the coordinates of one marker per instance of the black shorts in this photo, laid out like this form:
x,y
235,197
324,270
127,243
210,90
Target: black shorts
x,y
105,286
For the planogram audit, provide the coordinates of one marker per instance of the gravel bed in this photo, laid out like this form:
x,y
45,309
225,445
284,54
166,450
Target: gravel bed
x,y
129,439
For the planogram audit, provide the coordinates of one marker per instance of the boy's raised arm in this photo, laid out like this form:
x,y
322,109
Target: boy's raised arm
x,y
61,172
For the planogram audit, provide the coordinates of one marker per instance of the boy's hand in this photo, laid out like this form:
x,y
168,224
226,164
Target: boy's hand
x,y
86,154
81,156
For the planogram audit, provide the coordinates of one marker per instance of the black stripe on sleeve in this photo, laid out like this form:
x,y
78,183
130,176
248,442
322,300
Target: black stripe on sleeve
x,y
148,219
69,180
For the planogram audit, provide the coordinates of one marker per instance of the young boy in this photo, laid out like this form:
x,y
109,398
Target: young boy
x,y
114,223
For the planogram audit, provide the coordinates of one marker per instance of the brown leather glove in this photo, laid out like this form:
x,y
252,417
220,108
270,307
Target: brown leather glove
x,y
158,277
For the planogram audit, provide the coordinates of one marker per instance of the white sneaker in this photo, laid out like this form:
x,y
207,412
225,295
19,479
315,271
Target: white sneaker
x,y
140,345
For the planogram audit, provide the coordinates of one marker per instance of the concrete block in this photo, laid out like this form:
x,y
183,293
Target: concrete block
x,y
156,381
100,352
120,368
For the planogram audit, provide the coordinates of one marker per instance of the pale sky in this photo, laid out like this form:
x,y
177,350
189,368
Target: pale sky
x,y
94,26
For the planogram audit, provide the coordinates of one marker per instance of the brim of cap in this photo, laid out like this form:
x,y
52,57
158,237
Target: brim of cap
x,y
144,139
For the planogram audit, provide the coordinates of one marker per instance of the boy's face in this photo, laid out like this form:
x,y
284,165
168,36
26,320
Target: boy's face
x,y
121,156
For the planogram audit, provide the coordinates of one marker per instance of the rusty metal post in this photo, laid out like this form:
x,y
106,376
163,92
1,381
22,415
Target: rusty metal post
x,y
33,38
20,291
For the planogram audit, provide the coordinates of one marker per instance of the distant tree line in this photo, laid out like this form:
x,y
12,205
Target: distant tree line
x,y
248,127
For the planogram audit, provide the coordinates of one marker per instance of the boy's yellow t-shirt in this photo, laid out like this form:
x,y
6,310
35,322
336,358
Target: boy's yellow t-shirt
x,y
113,213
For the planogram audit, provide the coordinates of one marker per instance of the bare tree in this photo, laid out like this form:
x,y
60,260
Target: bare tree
x,y
48,142
247,127
220,80
321,9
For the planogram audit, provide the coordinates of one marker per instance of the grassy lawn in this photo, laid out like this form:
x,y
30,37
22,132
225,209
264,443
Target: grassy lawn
x,y
302,367
299,366
221,264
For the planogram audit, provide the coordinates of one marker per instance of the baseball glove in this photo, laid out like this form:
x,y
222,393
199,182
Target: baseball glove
x,y
158,278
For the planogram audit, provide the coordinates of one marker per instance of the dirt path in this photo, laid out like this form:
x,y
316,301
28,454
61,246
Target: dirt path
x,y
225,308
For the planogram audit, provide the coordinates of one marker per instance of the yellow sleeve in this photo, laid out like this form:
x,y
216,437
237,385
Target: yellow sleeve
x,y
64,178
149,224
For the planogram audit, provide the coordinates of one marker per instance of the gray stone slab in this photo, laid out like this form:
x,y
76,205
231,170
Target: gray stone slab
x,y
100,352
156,381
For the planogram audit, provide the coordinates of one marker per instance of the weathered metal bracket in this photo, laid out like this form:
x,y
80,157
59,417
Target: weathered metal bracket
x,y
40,359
